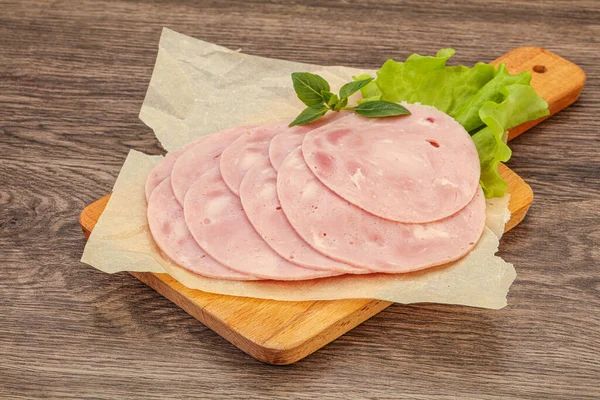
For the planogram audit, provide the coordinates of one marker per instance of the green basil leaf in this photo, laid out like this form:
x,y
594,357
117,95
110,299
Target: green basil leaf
x,y
310,114
352,87
333,101
309,87
340,105
326,96
380,108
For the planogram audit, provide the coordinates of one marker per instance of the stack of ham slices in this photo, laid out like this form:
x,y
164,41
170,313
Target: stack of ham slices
x,y
343,195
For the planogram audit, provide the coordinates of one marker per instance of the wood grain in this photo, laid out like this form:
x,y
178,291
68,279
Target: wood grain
x,y
285,332
279,332
72,80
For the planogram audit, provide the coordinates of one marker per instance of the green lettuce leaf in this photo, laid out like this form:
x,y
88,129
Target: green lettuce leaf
x,y
486,101
467,114
521,104
370,92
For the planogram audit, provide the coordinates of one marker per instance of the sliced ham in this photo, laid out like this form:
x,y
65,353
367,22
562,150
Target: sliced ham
x,y
167,226
344,232
258,194
418,168
201,157
163,169
219,224
241,155
284,143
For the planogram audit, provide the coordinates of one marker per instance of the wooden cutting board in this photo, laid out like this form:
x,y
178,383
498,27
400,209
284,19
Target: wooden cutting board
x,y
280,332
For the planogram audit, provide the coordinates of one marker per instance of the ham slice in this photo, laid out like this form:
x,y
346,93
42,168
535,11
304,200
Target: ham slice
x,y
163,169
258,194
201,157
284,143
161,172
217,221
344,232
167,226
418,168
241,155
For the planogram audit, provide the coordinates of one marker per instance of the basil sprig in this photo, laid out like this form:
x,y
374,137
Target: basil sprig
x,y
314,91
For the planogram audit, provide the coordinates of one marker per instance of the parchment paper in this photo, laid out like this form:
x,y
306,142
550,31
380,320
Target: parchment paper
x,y
121,241
199,88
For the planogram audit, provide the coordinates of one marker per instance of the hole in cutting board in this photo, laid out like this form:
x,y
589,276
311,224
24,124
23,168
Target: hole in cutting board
x,y
540,69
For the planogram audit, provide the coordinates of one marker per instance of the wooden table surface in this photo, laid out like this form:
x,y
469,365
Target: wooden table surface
x,y
72,79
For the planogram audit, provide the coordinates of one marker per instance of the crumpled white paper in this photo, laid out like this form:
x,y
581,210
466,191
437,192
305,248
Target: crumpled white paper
x,y
199,88
121,241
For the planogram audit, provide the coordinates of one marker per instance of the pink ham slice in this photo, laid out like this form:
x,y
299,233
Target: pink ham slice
x,y
238,158
163,169
171,235
201,157
285,142
258,193
418,168
217,221
344,232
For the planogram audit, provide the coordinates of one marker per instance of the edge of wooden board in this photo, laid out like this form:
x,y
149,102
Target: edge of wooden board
x,y
291,340
274,350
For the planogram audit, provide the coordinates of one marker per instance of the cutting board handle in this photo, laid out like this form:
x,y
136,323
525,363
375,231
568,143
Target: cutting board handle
x,y
557,80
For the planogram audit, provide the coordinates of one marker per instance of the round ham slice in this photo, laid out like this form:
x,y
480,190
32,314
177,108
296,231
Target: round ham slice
x,y
417,168
241,155
171,235
163,169
285,142
258,194
201,157
217,221
342,231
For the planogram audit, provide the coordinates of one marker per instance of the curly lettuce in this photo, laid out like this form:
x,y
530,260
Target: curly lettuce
x,y
484,99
